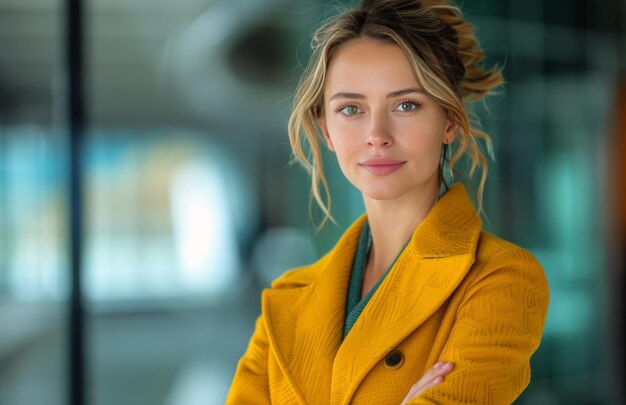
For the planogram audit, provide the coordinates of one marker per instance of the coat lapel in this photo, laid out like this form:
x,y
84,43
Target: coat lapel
x,y
441,252
305,324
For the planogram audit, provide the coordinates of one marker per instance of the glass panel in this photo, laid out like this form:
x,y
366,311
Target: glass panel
x,y
33,277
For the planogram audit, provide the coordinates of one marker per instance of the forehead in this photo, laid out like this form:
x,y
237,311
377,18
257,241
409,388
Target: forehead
x,y
369,66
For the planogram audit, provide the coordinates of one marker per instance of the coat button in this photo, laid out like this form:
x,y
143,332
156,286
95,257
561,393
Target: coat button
x,y
394,359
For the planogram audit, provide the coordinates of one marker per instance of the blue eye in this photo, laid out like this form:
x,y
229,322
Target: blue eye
x,y
406,106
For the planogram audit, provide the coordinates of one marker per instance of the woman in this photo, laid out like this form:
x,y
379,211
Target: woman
x,y
416,304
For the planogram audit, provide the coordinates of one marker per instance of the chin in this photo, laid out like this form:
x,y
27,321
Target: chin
x,y
382,193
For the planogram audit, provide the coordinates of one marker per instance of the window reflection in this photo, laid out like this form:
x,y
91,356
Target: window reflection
x,y
160,221
33,215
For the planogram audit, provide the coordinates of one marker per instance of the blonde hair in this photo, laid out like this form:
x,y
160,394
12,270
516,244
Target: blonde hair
x,y
445,57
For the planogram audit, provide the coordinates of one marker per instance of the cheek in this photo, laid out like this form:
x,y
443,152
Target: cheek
x,y
425,149
345,138
344,151
422,140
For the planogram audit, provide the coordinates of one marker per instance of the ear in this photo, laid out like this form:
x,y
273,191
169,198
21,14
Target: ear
x,y
321,121
452,130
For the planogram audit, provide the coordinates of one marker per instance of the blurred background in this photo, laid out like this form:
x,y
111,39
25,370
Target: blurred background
x,y
191,207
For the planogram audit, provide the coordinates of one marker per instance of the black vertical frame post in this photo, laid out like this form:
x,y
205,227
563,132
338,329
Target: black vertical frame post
x,y
76,126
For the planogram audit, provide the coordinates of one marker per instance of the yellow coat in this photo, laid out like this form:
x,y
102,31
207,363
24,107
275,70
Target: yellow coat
x,y
456,293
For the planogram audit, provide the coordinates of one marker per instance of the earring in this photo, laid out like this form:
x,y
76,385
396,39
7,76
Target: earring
x,y
444,152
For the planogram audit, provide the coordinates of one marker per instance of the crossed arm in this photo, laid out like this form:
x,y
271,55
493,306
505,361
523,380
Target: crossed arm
x,y
498,327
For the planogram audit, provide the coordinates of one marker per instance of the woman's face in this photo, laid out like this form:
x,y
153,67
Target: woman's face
x,y
386,131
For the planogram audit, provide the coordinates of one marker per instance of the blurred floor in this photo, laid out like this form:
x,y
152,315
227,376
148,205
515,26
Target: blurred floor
x,y
175,357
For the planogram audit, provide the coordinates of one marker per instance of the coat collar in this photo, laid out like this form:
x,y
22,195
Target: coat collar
x,y
450,229
305,310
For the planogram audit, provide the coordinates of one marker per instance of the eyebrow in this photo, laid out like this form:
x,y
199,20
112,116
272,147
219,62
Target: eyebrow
x,y
393,94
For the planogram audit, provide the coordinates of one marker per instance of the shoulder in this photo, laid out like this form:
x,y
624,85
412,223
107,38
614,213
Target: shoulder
x,y
491,247
507,263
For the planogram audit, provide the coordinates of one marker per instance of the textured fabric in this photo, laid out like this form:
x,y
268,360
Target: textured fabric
x,y
456,294
354,303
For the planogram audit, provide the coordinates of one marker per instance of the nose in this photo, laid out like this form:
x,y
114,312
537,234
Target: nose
x,y
379,134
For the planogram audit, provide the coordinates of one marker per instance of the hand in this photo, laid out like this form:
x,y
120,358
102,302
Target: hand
x,y
431,378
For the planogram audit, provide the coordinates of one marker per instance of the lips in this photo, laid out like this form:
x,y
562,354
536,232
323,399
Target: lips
x,y
381,166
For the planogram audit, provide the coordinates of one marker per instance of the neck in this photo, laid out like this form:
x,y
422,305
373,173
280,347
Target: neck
x,y
392,222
